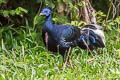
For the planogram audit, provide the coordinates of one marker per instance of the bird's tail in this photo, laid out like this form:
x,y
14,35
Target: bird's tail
x,y
91,38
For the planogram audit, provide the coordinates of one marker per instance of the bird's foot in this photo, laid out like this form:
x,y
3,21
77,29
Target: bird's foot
x,y
70,62
64,65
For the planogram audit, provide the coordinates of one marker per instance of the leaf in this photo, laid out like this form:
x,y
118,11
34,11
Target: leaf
x,y
5,13
81,4
38,19
12,12
117,20
3,1
118,52
82,23
22,9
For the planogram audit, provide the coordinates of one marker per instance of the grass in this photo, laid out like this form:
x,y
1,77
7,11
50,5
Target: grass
x,y
24,57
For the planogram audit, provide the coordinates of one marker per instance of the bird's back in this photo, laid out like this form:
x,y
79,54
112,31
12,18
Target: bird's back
x,y
68,32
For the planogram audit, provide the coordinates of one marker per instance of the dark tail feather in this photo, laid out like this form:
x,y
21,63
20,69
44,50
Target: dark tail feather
x,y
92,40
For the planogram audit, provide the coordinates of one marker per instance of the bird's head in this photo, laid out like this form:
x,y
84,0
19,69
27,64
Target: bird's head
x,y
46,11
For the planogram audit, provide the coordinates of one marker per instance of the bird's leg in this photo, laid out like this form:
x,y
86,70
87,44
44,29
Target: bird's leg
x,y
58,48
46,39
88,49
86,44
70,62
64,64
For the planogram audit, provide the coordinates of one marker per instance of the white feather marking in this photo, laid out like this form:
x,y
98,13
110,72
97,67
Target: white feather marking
x,y
96,26
98,32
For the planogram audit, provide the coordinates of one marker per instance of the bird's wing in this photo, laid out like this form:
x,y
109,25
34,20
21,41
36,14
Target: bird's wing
x,y
66,35
70,34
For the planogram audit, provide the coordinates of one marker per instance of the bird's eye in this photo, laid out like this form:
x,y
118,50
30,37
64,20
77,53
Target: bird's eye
x,y
46,11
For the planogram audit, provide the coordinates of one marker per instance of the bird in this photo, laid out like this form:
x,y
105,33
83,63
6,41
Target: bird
x,y
59,38
62,38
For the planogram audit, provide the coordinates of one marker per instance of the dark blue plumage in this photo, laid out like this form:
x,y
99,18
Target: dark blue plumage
x,y
60,38
59,35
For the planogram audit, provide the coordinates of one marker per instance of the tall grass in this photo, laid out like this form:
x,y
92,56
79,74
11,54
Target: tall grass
x,y
24,57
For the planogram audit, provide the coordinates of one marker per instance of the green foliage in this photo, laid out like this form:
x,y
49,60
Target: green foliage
x,y
24,56
117,20
18,11
60,20
38,20
100,16
82,3
3,1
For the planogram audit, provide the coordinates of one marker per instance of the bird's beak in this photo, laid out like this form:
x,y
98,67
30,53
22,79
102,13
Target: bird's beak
x,y
41,14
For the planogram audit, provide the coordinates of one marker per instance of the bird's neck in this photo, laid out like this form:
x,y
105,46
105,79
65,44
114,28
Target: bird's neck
x,y
48,23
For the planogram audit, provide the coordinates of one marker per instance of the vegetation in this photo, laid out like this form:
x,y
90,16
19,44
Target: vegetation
x,y
24,56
